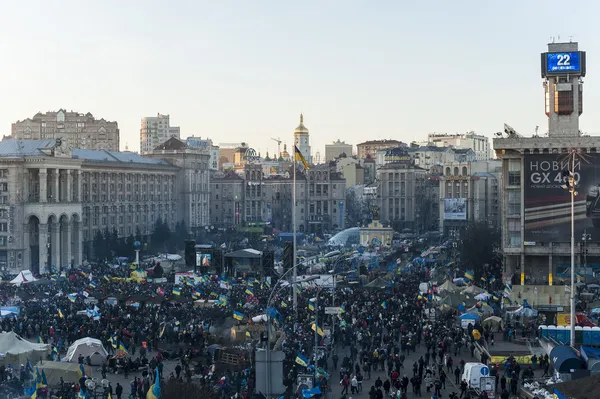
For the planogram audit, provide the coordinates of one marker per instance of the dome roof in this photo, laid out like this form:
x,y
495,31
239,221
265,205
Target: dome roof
x,y
301,129
345,238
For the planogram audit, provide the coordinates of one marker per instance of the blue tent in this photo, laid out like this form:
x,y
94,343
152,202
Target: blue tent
x,y
564,359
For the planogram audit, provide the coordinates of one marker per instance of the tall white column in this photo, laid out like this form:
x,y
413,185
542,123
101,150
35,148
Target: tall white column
x,y
55,245
43,252
43,173
78,188
69,183
26,248
79,238
66,263
55,185
26,177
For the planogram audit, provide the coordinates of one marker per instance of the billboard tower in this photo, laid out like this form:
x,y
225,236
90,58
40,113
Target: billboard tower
x,y
563,69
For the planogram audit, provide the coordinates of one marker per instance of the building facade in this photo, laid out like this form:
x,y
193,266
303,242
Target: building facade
x,y
469,192
368,149
337,148
76,130
403,195
207,146
155,130
478,143
536,210
54,199
253,197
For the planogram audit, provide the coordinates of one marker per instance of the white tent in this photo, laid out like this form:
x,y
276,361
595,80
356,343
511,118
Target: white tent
x,y
68,371
87,347
23,277
17,350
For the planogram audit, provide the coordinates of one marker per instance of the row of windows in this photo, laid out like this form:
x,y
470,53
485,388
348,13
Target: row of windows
x,y
121,219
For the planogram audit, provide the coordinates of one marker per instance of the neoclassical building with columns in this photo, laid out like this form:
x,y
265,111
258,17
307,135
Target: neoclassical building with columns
x,y
53,198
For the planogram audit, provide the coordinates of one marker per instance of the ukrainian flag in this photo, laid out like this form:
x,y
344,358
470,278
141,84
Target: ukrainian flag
x,y
298,157
249,291
319,330
384,304
469,274
283,304
238,315
34,395
93,284
106,278
492,279
248,335
72,297
301,360
176,291
122,347
311,306
343,309
250,283
60,314
81,371
40,340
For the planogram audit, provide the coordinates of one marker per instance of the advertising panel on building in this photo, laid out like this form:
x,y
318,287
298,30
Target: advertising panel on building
x,y
455,208
548,205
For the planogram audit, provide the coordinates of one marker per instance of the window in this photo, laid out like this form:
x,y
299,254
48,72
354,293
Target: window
x,y
514,233
514,172
514,203
4,227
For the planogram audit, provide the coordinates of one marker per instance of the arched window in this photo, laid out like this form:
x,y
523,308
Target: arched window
x,y
448,171
456,171
464,171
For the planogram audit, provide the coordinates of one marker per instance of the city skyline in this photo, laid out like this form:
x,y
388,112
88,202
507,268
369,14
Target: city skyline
x,y
245,73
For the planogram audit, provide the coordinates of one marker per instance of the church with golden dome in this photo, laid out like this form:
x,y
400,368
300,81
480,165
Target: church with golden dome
x,y
302,140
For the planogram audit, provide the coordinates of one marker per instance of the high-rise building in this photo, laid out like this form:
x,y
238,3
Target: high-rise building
x,y
478,143
302,140
155,130
536,210
337,148
75,130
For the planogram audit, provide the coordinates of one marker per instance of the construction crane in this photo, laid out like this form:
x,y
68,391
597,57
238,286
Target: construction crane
x,y
278,140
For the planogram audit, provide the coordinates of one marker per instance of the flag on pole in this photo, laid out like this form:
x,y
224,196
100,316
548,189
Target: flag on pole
x,y
300,158
249,291
156,388
238,315
122,347
319,330
311,306
176,291
81,371
469,274
72,297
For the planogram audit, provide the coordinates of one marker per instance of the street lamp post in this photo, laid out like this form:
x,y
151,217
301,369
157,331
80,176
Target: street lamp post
x,y
570,186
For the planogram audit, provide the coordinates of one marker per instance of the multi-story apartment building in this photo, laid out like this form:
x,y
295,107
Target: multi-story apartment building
x,y
337,148
469,191
430,157
368,149
251,196
76,130
208,147
405,198
53,198
155,130
478,143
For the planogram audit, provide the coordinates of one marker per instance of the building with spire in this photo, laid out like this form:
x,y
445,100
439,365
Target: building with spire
x,y
301,140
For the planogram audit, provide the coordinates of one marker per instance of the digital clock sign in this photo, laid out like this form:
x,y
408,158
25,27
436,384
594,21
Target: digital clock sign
x,y
563,62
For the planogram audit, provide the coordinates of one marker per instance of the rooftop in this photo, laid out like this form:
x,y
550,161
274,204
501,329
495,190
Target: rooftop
x,y
114,156
384,141
22,148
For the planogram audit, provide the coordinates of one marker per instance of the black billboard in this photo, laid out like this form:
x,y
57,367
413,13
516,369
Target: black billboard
x,y
548,205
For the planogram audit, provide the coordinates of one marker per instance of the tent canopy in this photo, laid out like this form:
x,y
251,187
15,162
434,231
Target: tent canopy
x,y
18,350
87,347
472,289
68,371
493,322
24,277
469,316
448,287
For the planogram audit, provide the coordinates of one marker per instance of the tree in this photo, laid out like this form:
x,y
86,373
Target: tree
x,y
181,234
478,246
161,236
99,245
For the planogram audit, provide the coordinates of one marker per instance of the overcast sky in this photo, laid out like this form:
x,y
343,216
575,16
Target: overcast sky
x,y
244,70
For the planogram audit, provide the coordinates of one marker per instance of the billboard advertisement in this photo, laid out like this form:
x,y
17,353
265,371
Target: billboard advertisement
x,y
455,208
548,206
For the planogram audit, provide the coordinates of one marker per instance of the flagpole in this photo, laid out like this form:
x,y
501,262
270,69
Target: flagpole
x,y
295,275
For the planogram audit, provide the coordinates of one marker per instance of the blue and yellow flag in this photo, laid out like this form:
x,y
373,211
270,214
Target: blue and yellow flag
x,y
469,274
81,371
384,304
72,297
283,304
238,315
176,291
122,347
93,284
298,157
249,291
301,360
40,340
311,306
319,330
492,279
